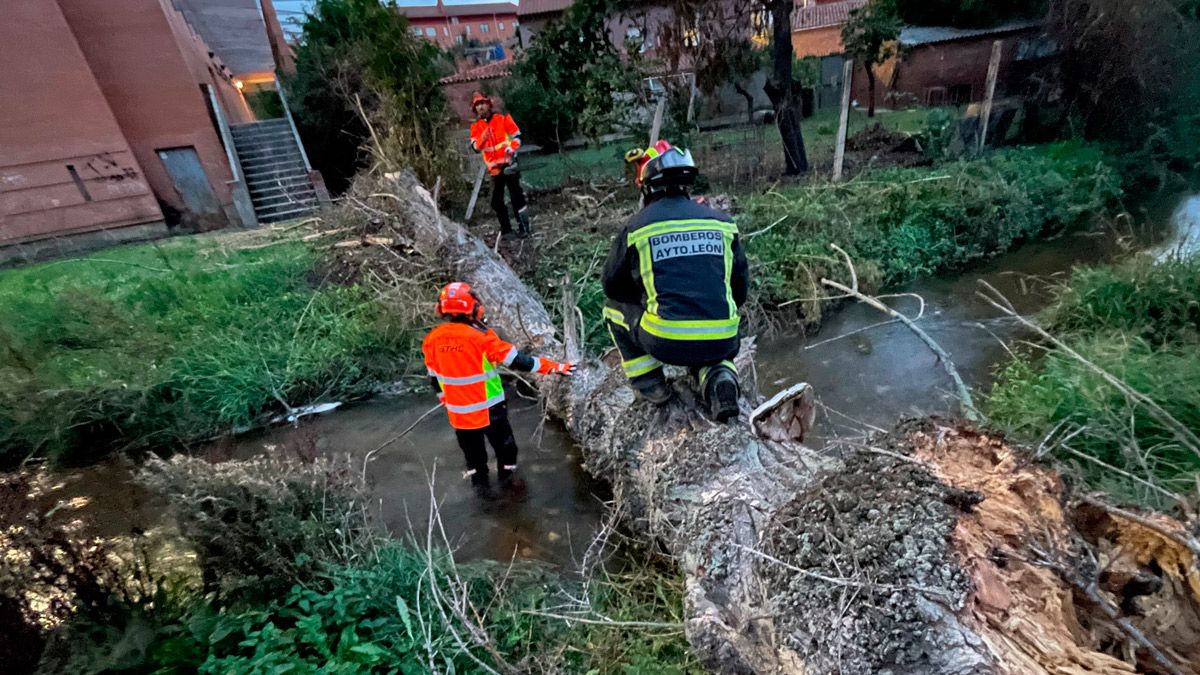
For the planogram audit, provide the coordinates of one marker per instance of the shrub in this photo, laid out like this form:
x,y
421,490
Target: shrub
x,y
1140,322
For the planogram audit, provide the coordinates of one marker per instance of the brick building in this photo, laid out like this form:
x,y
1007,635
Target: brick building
x,y
460,87
948,66
817,26
449,25
114,124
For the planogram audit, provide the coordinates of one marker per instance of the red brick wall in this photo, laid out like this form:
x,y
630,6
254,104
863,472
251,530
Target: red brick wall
x,y
139,63
817,42
446,31
54,114
948,64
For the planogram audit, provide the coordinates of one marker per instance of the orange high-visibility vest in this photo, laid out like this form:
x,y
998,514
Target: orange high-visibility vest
x,y
494,137
463,358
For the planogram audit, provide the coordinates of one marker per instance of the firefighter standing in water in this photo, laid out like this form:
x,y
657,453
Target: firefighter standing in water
x,y
675,279
496,136
461,355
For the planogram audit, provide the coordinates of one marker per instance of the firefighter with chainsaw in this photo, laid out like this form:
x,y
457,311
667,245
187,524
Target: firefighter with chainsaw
x,y
461,355
496,136
675,278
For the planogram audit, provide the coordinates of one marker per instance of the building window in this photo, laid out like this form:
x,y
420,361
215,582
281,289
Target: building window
x,y
466,29
454,20
446,31
691,38
959,94
500,25
458,39
483,28
431,32
417,31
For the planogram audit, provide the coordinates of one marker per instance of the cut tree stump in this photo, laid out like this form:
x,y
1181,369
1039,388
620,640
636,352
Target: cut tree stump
x,y
935,550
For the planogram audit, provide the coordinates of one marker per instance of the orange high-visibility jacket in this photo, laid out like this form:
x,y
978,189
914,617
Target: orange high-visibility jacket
x,y
494,137
463,358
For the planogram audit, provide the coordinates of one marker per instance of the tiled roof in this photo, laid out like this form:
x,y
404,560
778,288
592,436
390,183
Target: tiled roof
x,y
471,9
485,72
821,16
532,7
912,36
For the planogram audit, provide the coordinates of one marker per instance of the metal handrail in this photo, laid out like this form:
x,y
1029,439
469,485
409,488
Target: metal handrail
x,y
287,113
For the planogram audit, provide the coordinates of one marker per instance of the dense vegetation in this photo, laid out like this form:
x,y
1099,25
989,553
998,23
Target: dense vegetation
x,y
149,346
290,576
1139,322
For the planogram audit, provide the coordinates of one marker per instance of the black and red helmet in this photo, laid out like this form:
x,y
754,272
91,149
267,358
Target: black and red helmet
x,y
662,165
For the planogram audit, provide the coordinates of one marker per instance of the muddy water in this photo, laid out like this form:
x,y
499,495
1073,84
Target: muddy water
x,y
868,375
554,522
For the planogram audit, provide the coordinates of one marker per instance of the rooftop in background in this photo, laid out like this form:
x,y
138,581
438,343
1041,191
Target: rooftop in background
x,y
234,30
535,7
472,9
821,16
484,72
912,36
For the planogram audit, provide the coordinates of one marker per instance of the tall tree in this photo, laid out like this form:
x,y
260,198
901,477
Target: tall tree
x,y
783,90
869,36
364,80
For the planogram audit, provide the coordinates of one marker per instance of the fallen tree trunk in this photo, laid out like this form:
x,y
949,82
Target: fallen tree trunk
x,y
933,550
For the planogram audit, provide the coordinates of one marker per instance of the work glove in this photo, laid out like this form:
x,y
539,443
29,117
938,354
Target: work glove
x,y
549,367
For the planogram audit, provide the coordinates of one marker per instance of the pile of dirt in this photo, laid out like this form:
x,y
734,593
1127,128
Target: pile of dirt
x,y
877,146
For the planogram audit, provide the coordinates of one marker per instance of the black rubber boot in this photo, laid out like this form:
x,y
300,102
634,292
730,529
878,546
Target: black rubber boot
x,y
656,391
482,486
721,395
511,484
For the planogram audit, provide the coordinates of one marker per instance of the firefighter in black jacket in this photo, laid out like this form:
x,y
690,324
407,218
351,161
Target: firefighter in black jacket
x,y
675,279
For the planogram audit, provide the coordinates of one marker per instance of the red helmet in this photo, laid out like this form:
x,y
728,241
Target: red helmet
x,y
479,97
662,164
457,299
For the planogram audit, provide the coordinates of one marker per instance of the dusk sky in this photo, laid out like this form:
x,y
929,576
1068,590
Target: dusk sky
x,y
291,11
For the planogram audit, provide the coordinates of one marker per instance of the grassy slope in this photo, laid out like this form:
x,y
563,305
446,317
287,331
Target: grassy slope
x,y
152,345
1140,322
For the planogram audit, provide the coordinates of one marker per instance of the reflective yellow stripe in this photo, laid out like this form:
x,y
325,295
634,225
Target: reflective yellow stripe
x,y
646,269
719,329
474,407
668,226
729,275
640,366
616,317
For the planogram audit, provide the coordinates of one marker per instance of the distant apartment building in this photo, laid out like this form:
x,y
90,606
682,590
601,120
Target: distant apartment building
x,y
477,23
115,123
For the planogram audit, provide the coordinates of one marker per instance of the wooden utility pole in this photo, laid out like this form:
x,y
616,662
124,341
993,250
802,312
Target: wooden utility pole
x,y
658,115
990,93
475,192
839,153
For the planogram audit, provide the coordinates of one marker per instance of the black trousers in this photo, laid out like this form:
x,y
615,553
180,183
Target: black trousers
x,y
499,433
511,181
643,355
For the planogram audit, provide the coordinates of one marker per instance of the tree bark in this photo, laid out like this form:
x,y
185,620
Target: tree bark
x,y
936,550
737,86
870,90
782,90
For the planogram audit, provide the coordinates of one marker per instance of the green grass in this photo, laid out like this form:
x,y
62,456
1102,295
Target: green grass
x,y
903,222
149,346
606,162
1141,323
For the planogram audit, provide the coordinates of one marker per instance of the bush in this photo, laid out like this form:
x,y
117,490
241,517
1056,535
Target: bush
x,y
1140,322
148,346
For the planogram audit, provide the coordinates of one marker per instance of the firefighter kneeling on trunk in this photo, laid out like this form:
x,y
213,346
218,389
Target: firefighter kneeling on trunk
x,y
675,279
461,355
497,137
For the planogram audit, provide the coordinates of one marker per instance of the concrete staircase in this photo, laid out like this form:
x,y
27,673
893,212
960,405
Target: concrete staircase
x,y
275,171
